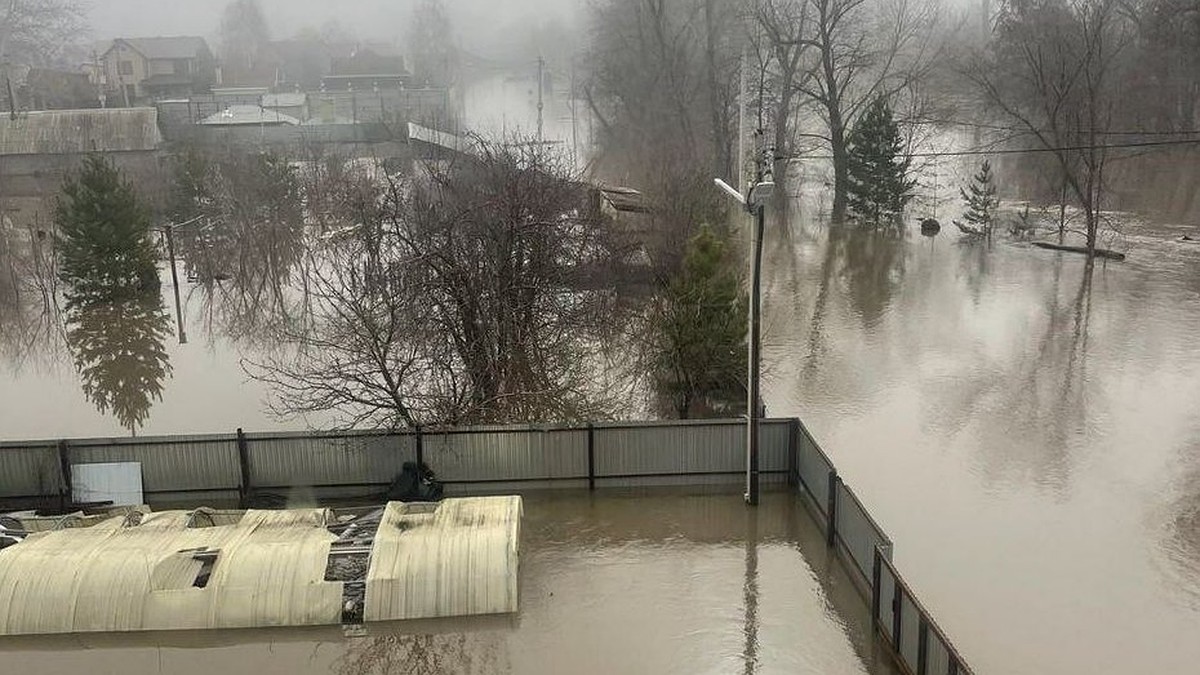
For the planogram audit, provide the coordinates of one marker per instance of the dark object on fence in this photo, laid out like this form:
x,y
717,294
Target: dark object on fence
x,y
1100,252
930,227
416,483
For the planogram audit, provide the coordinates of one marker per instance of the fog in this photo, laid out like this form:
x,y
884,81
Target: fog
x,y
490,27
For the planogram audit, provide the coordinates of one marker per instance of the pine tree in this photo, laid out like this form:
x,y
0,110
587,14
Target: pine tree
x,y
104,246
879,186
981,200
701,351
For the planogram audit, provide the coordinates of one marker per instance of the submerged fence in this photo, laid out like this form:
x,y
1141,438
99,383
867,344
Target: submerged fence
x,y
490,459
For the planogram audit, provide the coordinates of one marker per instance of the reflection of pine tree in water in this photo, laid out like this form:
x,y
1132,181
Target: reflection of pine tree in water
x,y
118,351
458,653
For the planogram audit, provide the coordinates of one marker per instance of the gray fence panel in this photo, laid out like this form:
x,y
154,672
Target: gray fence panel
x,y
857,531
527,454
345,460
813,469
29,471
773,445
887,593
176,465
692,448
910,620
938,659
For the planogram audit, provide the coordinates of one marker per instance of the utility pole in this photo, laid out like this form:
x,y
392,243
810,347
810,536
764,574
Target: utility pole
x,y
540,82
169,230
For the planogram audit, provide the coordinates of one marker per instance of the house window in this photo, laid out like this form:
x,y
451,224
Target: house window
x,y
125,68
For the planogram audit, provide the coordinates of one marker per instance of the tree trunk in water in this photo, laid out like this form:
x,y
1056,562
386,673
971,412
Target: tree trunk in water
x,y
841,173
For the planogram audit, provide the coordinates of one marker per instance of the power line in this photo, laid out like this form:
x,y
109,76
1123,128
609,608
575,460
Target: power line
x,y
1025,151
1026,130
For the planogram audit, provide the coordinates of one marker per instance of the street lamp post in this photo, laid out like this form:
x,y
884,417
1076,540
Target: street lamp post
x,y
755,202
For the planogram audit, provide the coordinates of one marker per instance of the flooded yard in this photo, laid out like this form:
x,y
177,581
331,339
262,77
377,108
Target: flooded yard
x,y
621,582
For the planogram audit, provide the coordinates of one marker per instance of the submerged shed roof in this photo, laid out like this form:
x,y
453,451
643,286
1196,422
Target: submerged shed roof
x,y
191,570
61,132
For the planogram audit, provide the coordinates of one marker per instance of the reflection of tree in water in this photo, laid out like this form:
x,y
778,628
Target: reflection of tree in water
x,y
118,351
1183,530
869,267
435,654
975,257
1046,406
243,236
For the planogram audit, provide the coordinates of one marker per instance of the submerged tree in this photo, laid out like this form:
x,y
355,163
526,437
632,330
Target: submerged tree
x,y
980,200
103,239
431,38
1055,70
481,292
115,320
36,32
879,185
244,35
701,332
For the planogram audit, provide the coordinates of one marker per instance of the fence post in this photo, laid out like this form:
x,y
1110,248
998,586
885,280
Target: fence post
x,y
591,450
897,609
793,452
922,645
244,467
66,493
831,509
876,575
420,448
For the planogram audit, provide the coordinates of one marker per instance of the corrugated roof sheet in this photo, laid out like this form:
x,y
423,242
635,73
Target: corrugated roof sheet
x,y
260,568
60,132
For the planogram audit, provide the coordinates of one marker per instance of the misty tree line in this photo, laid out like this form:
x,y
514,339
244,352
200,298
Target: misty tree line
x,y
1067,78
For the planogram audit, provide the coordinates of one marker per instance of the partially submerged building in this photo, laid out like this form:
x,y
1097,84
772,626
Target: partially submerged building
x,y
38,149
201,569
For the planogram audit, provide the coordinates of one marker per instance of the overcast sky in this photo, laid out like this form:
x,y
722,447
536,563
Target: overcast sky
x,y
479,24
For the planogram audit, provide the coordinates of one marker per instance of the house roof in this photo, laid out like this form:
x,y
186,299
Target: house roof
x,y
284,100
232,569
61,132
248,114
625,199
178,47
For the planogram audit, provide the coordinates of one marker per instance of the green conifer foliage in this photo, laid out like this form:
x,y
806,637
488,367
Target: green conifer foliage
x,y
980,199
878,167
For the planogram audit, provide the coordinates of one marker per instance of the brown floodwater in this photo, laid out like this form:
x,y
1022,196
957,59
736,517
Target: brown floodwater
x,y
1027,433
621,582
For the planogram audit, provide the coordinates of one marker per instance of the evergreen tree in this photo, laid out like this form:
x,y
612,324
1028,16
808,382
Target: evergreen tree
x,y
104,246
701,350
981,200
879,186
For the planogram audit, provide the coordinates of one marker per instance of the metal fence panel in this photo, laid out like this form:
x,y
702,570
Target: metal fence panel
x,y
176,464
857,531
938,659
887,594
910,623
814,470
692,448
29,471
355,459
527,454
773,445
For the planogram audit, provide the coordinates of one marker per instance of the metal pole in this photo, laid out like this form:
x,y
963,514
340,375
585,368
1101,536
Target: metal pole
x,y
755,360
175,281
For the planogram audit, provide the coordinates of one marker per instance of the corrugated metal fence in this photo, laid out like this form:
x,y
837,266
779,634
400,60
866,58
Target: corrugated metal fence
x,y
492,459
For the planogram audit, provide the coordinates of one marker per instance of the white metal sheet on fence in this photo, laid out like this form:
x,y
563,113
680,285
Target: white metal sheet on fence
x,y
910,620
116,482
856,530
168,464
814,470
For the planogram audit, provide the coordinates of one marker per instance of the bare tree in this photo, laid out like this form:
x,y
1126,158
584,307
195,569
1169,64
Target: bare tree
x,y
865,49
783,28
1054,69
482,292
244,34
35,32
